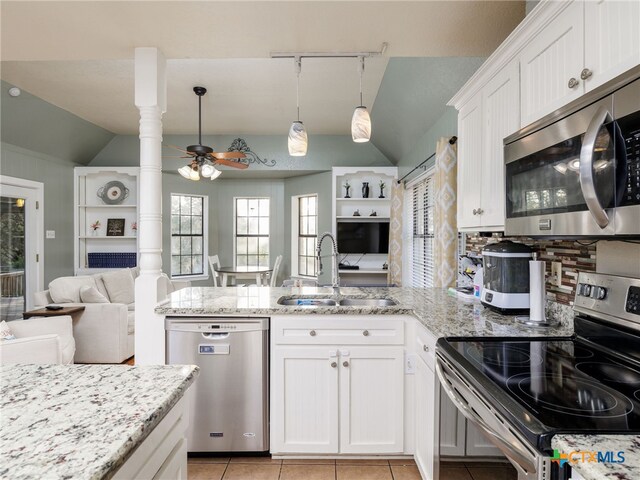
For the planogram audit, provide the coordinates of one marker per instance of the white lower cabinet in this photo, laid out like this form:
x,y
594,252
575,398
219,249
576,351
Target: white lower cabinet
x,y
331,398
304,400
163,454
427,404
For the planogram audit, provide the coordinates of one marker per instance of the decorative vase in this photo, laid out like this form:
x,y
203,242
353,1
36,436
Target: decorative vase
x,y
365,189
94,233
347,188
381,190
356,213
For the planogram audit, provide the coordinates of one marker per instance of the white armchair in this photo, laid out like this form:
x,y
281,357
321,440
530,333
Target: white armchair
x,y
39,341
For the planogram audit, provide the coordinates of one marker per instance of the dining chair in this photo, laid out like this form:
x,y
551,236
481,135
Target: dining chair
x,y
214,262
274,273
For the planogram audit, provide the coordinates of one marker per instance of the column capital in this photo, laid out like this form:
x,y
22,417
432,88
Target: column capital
x,y
150,78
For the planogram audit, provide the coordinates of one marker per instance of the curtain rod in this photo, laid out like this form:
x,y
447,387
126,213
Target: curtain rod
x,y
452,141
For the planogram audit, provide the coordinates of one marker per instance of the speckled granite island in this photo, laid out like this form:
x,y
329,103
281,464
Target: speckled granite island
x,y
87,421
441,313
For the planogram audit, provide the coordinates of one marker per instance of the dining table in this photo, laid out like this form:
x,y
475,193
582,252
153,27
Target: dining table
x,y
239,272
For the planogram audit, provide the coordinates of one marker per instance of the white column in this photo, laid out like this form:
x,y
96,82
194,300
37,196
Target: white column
x,y
151,100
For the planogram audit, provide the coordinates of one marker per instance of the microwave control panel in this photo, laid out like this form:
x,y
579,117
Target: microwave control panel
x,y
630,126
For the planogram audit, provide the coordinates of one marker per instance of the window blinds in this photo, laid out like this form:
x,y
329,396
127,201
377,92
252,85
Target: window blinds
x,y
422,265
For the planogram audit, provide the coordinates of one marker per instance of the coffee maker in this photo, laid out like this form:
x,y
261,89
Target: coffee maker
x,y
506,277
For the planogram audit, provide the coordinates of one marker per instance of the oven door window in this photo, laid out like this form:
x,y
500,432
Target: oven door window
x,y
548,181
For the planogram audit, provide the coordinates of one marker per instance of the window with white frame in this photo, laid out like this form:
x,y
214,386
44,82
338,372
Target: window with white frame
x,y
307,229
252,232
422,208
188,234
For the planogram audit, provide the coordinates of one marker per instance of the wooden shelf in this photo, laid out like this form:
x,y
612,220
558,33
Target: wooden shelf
x,y
104,237
362,217
363,199
107,206
364,271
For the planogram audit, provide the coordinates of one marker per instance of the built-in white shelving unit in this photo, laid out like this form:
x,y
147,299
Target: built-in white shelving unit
x,y
91,207
343,209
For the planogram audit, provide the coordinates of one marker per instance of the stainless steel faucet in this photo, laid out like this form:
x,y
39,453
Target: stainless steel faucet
x,y
335,277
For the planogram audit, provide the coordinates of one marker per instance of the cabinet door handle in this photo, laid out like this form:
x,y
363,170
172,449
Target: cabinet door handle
x,y
312,333
334,364
365,333
586,73
480,211
345,364
475,211
425,348
573,82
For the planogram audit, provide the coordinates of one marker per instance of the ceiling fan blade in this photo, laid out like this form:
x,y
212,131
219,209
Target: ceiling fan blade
x,y
177,156
227,155
181,150
231,163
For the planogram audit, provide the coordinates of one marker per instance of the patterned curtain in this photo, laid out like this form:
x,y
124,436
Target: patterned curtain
x,y
395,235
445,226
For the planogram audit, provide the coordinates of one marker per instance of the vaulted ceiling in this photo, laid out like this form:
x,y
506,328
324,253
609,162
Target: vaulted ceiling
x,y
78,55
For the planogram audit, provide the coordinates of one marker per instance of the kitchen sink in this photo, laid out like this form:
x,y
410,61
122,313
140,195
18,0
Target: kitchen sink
x,y
331,302
308,302
367,302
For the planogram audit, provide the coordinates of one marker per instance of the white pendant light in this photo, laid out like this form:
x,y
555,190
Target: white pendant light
x,y
185,172
207,170
298,140
361,121
194,175
216,173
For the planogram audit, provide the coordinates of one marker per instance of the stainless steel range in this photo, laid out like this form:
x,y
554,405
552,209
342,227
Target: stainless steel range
x,y
521,392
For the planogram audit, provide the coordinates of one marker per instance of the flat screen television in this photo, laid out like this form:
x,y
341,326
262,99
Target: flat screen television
x,y
363,237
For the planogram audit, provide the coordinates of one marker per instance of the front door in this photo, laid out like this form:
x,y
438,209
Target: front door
x,y
20,245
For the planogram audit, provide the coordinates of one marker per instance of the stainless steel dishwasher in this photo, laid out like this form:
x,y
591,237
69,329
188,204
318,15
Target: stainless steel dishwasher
x,y
229,404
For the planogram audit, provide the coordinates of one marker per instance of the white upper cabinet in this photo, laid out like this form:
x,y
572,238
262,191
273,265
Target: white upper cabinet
x,y
501,118
612,39
551,63
470,136
485,120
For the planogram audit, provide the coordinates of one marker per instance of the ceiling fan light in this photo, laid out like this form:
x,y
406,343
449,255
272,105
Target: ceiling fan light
x,y
194,175
216,173
185,171
361,125
207,170
297,140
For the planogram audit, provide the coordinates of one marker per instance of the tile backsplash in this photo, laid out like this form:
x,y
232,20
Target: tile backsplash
x,y
574,257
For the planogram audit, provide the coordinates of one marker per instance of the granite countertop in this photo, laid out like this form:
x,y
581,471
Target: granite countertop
x,y
629,444
440,312
81,421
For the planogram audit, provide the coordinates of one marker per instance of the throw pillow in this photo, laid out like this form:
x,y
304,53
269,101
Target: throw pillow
x,y
67,289
5,332
119,285
92,295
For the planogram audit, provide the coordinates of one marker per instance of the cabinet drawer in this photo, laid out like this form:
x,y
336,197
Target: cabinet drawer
x,y
425,345
338,330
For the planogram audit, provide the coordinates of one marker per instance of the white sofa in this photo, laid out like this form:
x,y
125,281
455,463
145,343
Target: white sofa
x,y
104,332
40,341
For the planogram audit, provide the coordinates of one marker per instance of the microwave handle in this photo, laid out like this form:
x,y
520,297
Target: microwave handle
x,y
587,183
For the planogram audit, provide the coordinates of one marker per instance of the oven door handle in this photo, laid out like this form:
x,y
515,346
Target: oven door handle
x,y
525,464
587,182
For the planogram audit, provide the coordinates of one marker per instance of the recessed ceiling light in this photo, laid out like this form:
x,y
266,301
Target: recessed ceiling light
x,y
14,92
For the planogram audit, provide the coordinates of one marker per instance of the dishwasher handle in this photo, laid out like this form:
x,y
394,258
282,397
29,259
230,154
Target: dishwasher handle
x,y
215,335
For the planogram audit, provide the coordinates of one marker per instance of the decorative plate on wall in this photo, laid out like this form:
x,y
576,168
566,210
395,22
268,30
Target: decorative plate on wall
x,y
113,193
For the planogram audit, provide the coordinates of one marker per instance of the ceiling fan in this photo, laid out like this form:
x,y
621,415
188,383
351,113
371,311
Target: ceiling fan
x,y
203,158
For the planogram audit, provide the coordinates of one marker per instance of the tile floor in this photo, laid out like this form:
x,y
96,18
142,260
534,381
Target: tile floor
x,y
265,468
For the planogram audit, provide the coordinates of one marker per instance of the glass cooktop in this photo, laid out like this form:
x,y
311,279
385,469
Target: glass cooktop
x,y
566,384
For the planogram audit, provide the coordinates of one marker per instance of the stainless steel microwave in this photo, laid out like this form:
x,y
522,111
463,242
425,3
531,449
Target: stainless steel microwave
x,y
577,171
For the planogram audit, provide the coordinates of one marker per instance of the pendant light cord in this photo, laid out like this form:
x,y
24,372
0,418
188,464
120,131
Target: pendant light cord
x,y
200,120
361,68
298,61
